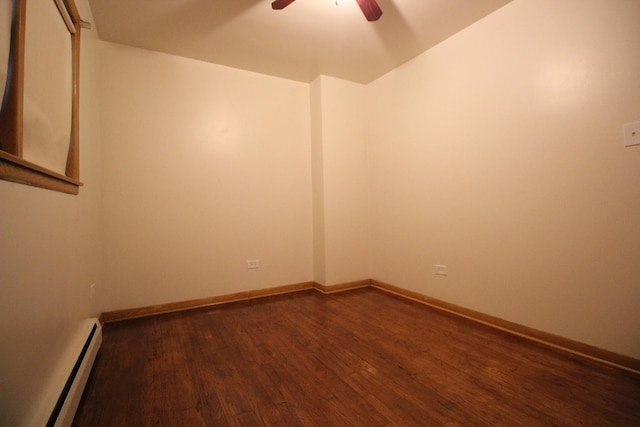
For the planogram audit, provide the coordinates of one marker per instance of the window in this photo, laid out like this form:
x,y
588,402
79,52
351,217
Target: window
x,y
39,72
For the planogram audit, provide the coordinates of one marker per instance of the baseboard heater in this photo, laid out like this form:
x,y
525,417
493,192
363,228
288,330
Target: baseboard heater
x,y
88,344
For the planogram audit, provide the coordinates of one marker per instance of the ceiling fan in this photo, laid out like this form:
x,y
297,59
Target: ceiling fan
x,y
370,8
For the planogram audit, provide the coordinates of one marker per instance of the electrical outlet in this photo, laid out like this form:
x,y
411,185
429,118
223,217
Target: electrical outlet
x,y
441,270
92,290
253,263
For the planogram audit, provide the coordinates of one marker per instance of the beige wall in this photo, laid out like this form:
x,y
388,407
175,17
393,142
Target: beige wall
x,y
204,168
50,254
317,182
340,181
499,153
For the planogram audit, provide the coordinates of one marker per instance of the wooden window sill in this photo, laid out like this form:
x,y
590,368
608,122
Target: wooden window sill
x,y
15,169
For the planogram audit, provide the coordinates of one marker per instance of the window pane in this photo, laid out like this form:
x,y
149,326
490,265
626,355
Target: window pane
x,y
6,9
47,87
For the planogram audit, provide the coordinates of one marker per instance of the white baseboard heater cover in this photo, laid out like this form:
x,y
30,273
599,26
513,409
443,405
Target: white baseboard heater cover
x,y
87,346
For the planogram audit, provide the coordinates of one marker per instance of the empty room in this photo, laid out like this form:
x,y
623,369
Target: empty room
x,y
320,212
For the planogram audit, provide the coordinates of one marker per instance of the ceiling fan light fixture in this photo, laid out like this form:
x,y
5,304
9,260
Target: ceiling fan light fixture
x,y
369,8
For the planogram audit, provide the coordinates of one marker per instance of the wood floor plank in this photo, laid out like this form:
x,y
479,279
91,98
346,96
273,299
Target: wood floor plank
x,y
360,358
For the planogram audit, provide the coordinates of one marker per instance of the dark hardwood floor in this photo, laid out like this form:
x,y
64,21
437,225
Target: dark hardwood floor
x,y
359,358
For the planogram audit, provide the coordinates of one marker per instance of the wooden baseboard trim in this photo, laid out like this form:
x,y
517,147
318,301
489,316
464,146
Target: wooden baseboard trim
x,y
584,350
132,313
342,286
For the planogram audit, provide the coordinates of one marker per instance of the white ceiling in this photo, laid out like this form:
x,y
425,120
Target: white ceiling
x,y
308,38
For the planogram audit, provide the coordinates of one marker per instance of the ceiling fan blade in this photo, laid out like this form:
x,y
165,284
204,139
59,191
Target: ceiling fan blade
x,y
281,4
370,9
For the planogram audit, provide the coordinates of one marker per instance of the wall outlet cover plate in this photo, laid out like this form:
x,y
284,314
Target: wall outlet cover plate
x,y
441,270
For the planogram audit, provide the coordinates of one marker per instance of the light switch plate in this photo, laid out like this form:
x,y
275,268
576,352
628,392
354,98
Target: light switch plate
x,y
631,133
